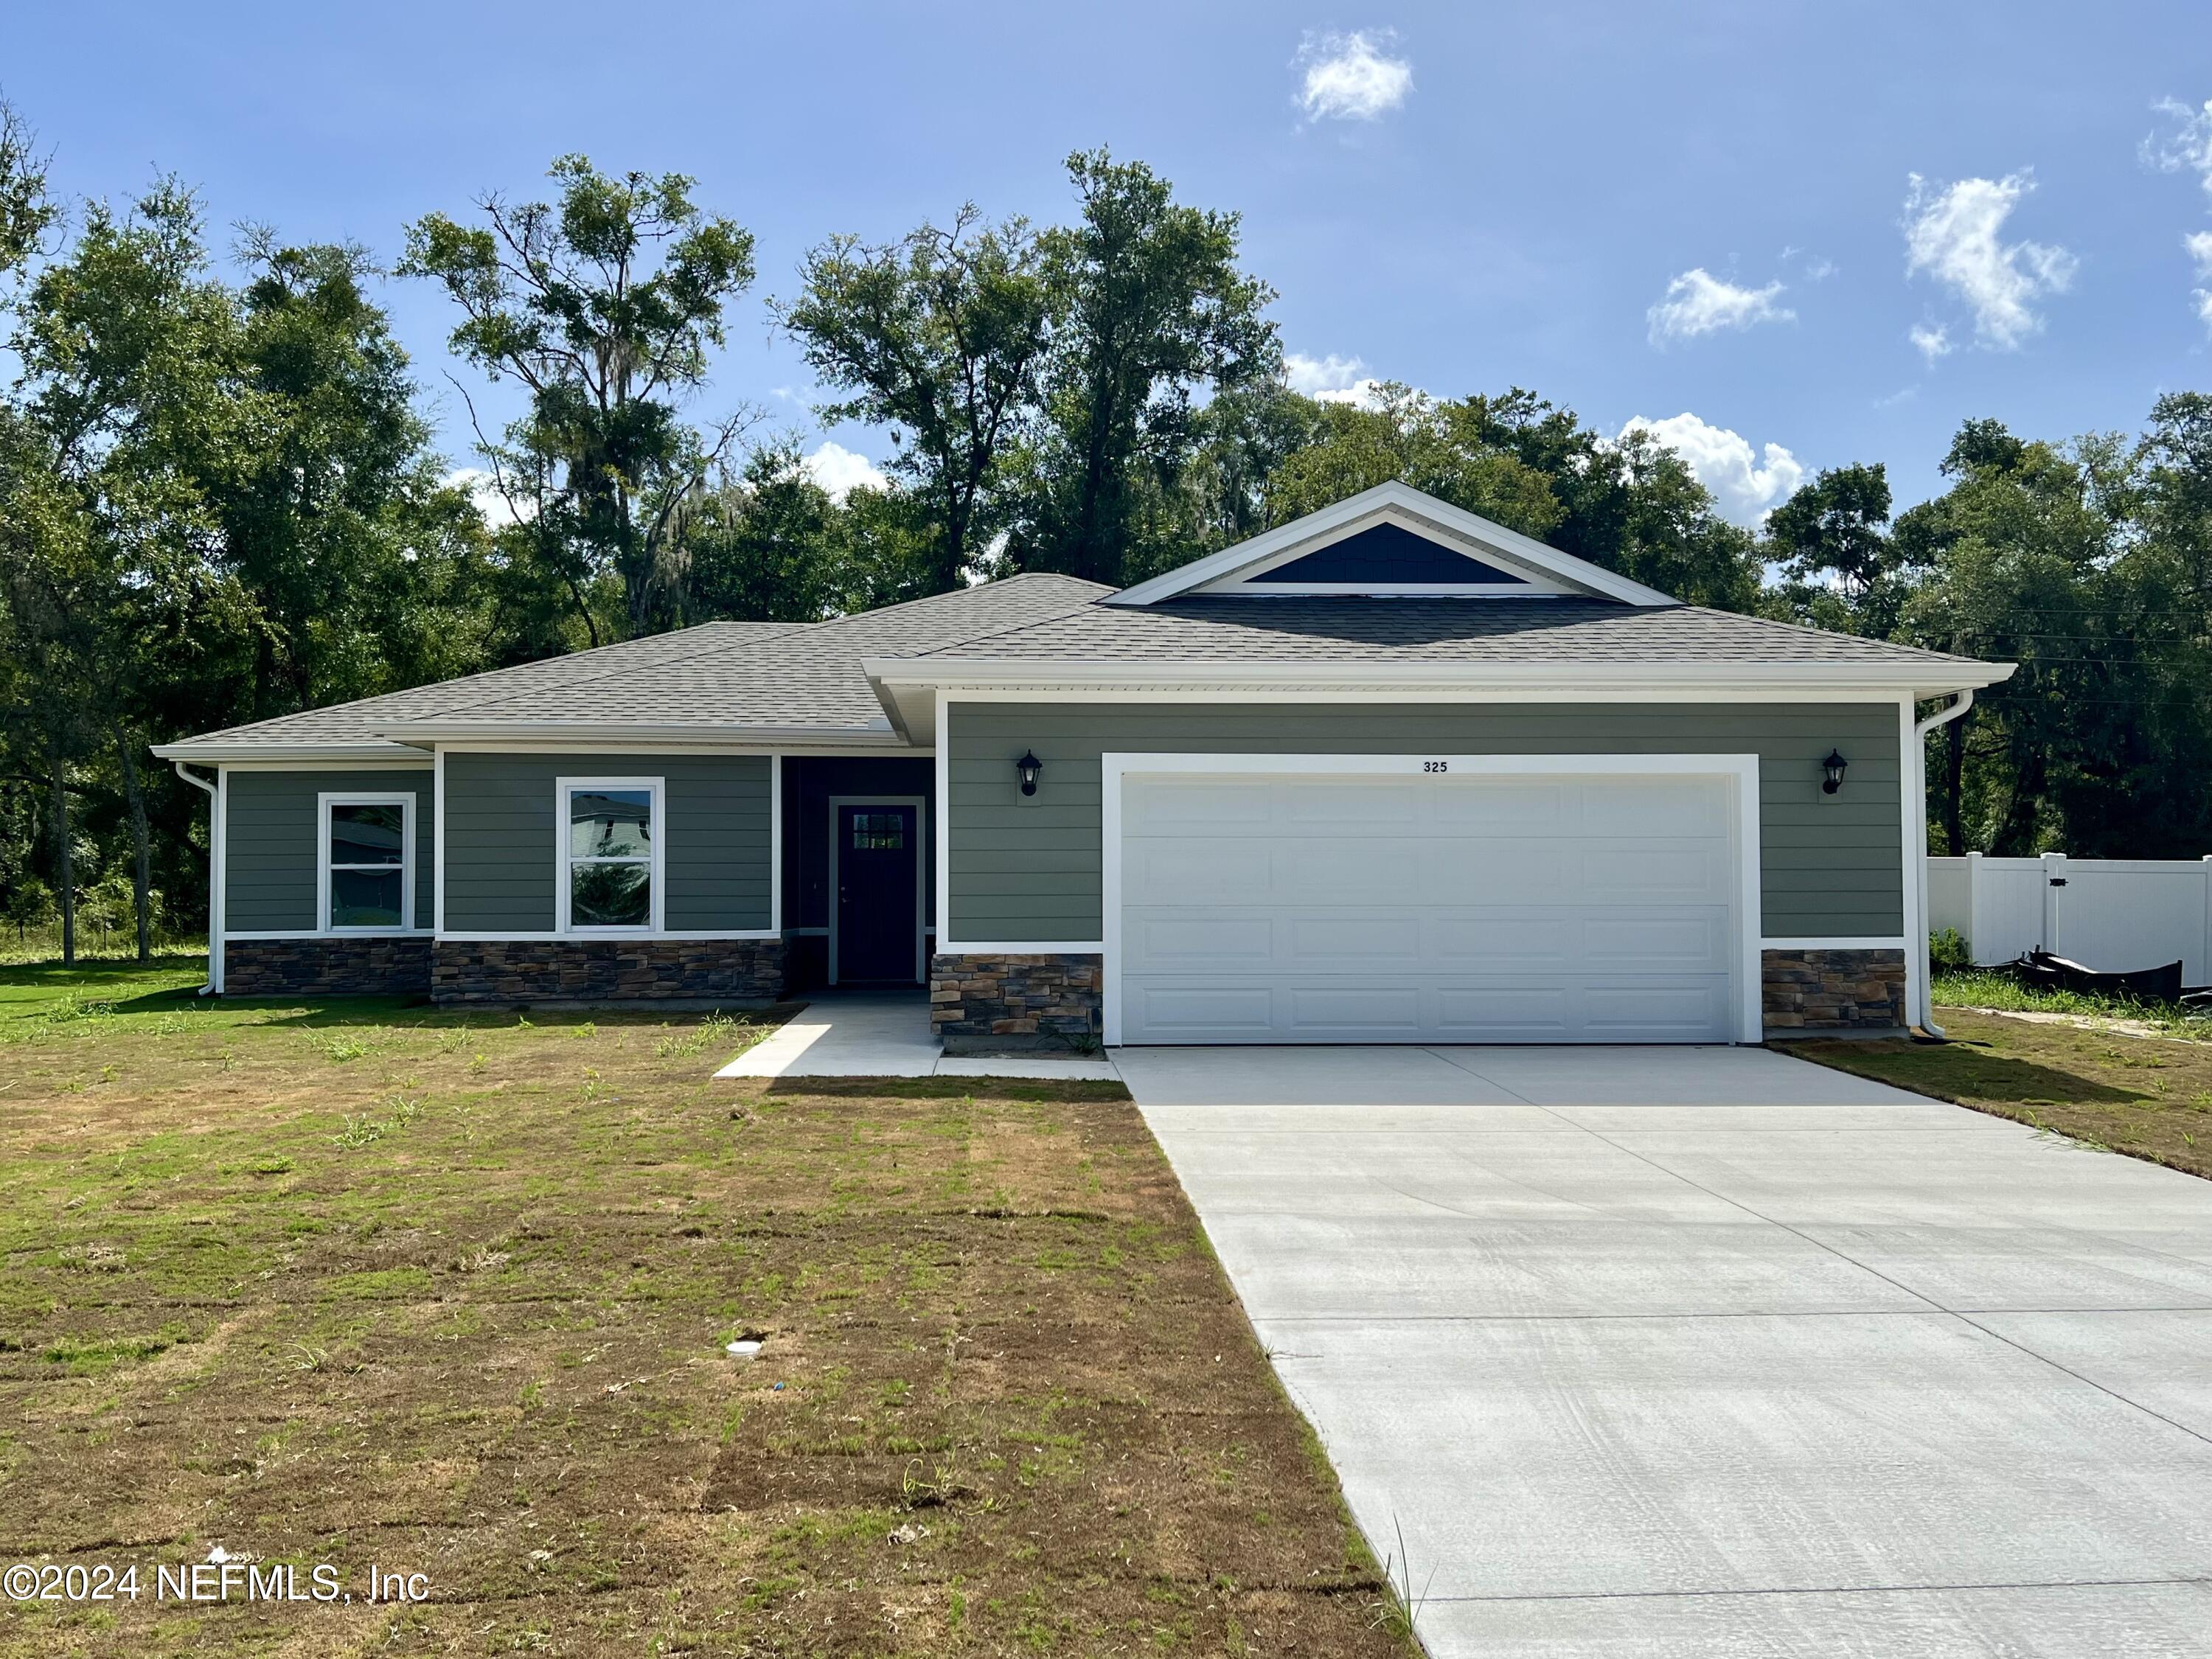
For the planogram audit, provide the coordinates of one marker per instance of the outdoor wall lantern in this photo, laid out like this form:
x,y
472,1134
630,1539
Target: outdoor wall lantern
x,y
1029,765
1832,772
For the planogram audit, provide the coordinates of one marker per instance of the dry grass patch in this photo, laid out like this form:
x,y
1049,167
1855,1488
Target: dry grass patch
x,y
2149,1096
450,1294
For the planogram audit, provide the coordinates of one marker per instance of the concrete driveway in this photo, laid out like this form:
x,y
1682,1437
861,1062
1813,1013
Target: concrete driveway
x,y
1711,1352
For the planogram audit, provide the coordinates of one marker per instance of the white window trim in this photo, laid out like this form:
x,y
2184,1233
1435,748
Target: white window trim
x,y
404,799
922,867
657,863
1740,771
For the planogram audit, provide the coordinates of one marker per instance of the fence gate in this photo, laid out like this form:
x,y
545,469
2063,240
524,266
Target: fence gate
x,y
2111,914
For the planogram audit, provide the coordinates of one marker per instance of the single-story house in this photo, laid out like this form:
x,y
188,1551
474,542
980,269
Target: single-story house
x,y
1391,772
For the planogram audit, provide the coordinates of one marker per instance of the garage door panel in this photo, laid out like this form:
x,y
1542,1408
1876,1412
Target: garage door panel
x,y
1348,871
1660,941
1322,942
1511,807
1179,941
1354,1012
1503,1012
1214,809
1185,871
1492,871
1198,1011
1366,806
1655,1010
1413,908
1617,871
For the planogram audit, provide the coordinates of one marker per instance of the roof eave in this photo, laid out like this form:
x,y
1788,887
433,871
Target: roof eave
x,y
1935,676
633,733
214,752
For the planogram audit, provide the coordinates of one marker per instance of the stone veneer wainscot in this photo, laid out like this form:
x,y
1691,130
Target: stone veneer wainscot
x,y
1047,996
607,969
328,966
1832,990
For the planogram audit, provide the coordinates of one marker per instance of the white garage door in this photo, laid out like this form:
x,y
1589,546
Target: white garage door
x,y
1454,908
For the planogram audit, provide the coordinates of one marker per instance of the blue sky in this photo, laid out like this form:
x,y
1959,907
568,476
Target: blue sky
x,y
1593,201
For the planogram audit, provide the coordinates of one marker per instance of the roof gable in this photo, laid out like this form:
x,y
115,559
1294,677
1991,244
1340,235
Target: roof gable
x,y
1396,541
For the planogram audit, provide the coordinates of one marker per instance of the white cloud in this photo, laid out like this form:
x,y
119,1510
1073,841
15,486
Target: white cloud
x,y
1333,379
1315,375
1698,302
1931,340
2188,147
1746,487
1951,232
483,491
2199,244
839,471
1348,78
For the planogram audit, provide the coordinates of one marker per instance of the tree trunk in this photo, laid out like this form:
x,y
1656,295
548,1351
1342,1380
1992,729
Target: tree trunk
x,y
64,858
1954,775
142,866
2014,836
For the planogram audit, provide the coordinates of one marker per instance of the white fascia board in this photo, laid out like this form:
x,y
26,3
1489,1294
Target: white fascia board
x,y
519,735
1565,680
367,755
1484,533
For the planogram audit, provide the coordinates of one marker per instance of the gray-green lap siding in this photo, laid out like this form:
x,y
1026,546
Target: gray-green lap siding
x,y
1831,866
272,843
501,852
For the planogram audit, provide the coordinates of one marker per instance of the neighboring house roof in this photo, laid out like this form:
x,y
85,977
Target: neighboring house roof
x,y
1242,619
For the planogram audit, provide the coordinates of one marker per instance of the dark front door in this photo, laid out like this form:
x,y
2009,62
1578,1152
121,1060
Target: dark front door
x,y
878,876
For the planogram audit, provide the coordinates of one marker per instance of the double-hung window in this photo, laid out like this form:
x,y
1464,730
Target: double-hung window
x,y
368,864
611,841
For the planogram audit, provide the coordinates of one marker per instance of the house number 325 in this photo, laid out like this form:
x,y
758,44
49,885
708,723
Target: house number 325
x,y
1435,766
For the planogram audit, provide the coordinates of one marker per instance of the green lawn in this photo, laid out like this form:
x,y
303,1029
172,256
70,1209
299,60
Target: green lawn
x,y
2149,1096
358,1282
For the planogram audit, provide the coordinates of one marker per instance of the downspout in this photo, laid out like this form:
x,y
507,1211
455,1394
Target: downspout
x,y
1944,716
214,986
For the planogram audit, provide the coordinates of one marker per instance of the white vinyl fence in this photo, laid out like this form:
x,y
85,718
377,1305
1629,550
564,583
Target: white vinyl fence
x,y
2111,914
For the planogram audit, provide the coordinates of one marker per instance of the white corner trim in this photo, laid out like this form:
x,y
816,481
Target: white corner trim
x,y
1912,826
325,799
219,880
942,742
438,842
1740,771
775,843
1402,503
657,864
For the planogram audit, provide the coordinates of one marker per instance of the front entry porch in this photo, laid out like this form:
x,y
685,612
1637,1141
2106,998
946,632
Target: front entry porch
x,y
878,1033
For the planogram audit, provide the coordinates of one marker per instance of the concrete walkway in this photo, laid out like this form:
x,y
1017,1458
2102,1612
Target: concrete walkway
x,y
1711,1353
884,1034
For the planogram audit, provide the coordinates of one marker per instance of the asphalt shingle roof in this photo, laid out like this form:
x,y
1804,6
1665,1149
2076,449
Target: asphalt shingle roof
x,y
778,678
1243,630
718,675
